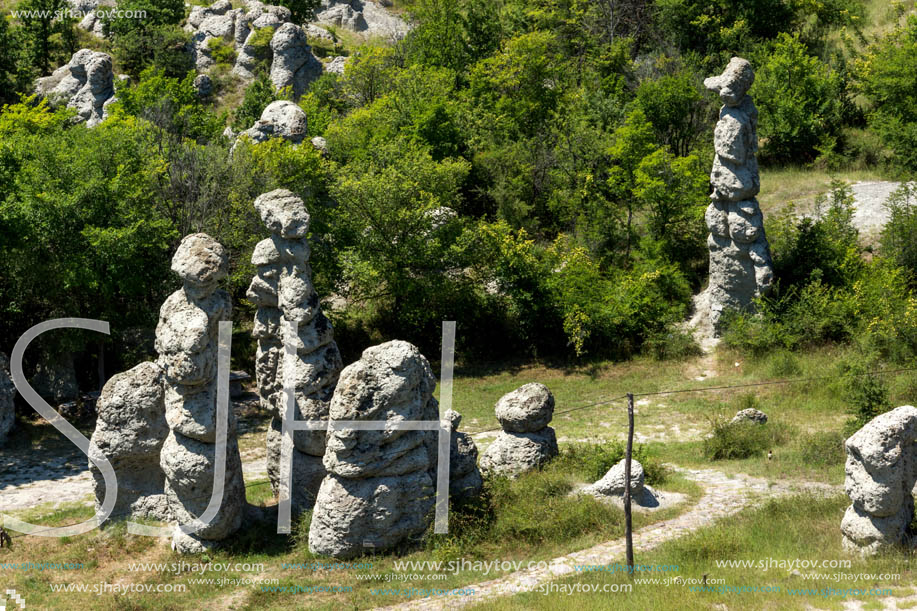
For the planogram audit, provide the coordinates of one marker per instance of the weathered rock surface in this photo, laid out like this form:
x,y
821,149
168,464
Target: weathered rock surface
x,y
612,483
379,490
362,16
881,471
465,480
187,339
741,269
7,398
283,292
294,65
130,431
512,454
526,441
281,119
527,409
85,83
750,415
289,55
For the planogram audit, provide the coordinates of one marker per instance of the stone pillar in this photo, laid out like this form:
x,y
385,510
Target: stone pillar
x,y
283,292
187,342
740,260
380,487
881,470
526,441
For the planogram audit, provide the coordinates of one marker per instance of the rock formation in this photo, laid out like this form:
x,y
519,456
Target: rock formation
x,y
85,83
740,260
612,483
187,342
751,415
130,431
380,487
465,480
7,397
880,474
611,486
363,16
283,292
293,65
289,55
281,119
526,441
157,422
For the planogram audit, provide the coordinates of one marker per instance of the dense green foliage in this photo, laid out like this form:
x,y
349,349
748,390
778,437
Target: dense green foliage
x,y
537,171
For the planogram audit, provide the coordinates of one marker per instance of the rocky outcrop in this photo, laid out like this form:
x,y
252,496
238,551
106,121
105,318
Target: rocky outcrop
x,y
751,415
465,480
612,483
157,422
379,490
130,431
7,400
283,292
293,64
187,342
880,474
289,55
281,119
363,16
336,65
526,441
740,261
85,83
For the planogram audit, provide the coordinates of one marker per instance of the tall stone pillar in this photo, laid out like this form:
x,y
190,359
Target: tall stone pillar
x,y
740,261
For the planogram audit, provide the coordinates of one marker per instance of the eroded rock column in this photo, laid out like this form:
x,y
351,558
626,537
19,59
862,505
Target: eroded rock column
x,y
740,261
284,294
526,441
187,339
380,487
881,470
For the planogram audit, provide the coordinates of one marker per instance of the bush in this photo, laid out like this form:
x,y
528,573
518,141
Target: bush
x,y
742,439
823,448
221,51
866,395
887,77
799,98
897,241
591,461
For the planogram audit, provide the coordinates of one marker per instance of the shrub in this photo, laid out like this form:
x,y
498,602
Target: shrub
x,y
799,98
592,461
866,395
221,51
823,448
897,241
783,364
742,439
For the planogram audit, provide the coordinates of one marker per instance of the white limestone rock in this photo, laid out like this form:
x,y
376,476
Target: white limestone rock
x,y
612,483
7,400
527,409
881,471
85,83
379,488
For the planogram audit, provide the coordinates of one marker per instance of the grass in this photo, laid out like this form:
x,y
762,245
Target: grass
x,y
802,527
528,519
800,185
535,517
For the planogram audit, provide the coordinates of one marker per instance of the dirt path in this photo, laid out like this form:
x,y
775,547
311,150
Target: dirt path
x,y
723,496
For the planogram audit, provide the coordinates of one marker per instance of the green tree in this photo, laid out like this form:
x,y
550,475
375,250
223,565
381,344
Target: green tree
x,y
887,77
41,21
800,103
677,109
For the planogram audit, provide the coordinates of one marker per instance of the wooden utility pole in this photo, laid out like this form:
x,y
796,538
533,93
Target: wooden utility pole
x,y
628,528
